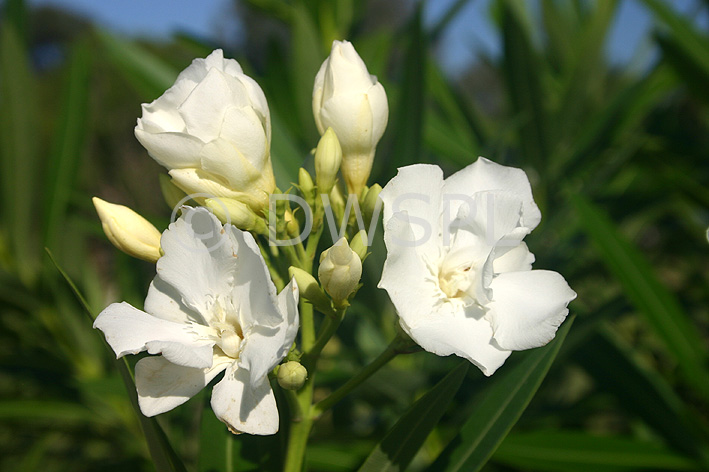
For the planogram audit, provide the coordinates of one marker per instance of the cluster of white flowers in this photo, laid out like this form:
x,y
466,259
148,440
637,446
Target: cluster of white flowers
x,y
457,269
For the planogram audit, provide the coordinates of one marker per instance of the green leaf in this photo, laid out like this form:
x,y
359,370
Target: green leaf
x,y
306,60
640,390
524,74
147,73
18,152
572,451
503,403
163,455
659,306
407,125
69,138
402,442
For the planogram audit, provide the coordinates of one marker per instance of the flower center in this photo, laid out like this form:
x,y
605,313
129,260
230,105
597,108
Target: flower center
x,y
230,338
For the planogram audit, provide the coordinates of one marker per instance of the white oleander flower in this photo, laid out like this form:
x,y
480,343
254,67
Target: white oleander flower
x,y
212,131
457,271
354,104
211,308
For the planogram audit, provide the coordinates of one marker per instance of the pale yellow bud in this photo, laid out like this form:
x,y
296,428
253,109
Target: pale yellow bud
x,y
292,375
236,213
309,289
370,202
128,231
340,270
328,157
305,182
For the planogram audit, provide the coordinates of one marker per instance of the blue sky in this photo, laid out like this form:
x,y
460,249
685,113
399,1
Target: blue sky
x,y
470,34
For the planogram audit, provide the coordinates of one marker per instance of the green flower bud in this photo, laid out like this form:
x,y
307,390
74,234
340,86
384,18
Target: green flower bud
x,y
369,202
236,213
340,270
310,289
307,188
328,157
292,375
359,244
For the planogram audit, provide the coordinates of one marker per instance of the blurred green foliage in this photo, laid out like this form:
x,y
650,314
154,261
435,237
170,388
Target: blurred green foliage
x,y
618,162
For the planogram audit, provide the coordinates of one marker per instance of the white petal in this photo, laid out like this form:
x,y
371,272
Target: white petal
x,y
265,347
165,302
203,111
516,259
528,307
245,131
171,150
452,329
405,276
162,385
253,294
245,407
416,190
199,260
485,175
130,331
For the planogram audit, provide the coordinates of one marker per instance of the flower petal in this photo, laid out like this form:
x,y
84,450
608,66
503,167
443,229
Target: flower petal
x,y
484,175
199,260
416,190
245,407
453,329
528,307
130,331
162,385
253,294
516,259
165,302
171,150
265,347
203,111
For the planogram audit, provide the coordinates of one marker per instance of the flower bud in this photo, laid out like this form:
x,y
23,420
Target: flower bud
x,y
354,104
359,244
172,194
215,120
236,213
310,290
328,157
128,231
340,270
292,375
371,203
307,188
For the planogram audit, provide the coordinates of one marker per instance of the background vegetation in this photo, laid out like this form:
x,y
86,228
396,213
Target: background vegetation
x,y
619,168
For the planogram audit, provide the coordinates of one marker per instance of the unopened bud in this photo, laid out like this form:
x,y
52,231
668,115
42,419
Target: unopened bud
x,y
359,244
128,231
310,289
292,375
307,188
328,157
292,226
171,193
340,270
236,213
371,203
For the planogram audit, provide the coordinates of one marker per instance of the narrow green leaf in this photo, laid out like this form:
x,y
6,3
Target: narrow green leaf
x,y
147,73
46,410
214,443
572,451
407,127
163,455
659,306
524,74
402,442
69,137
640,390
18,151
306,60
503,403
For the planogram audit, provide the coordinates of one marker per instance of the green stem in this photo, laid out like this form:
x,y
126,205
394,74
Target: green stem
x,y
301,423
328,328
389,353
